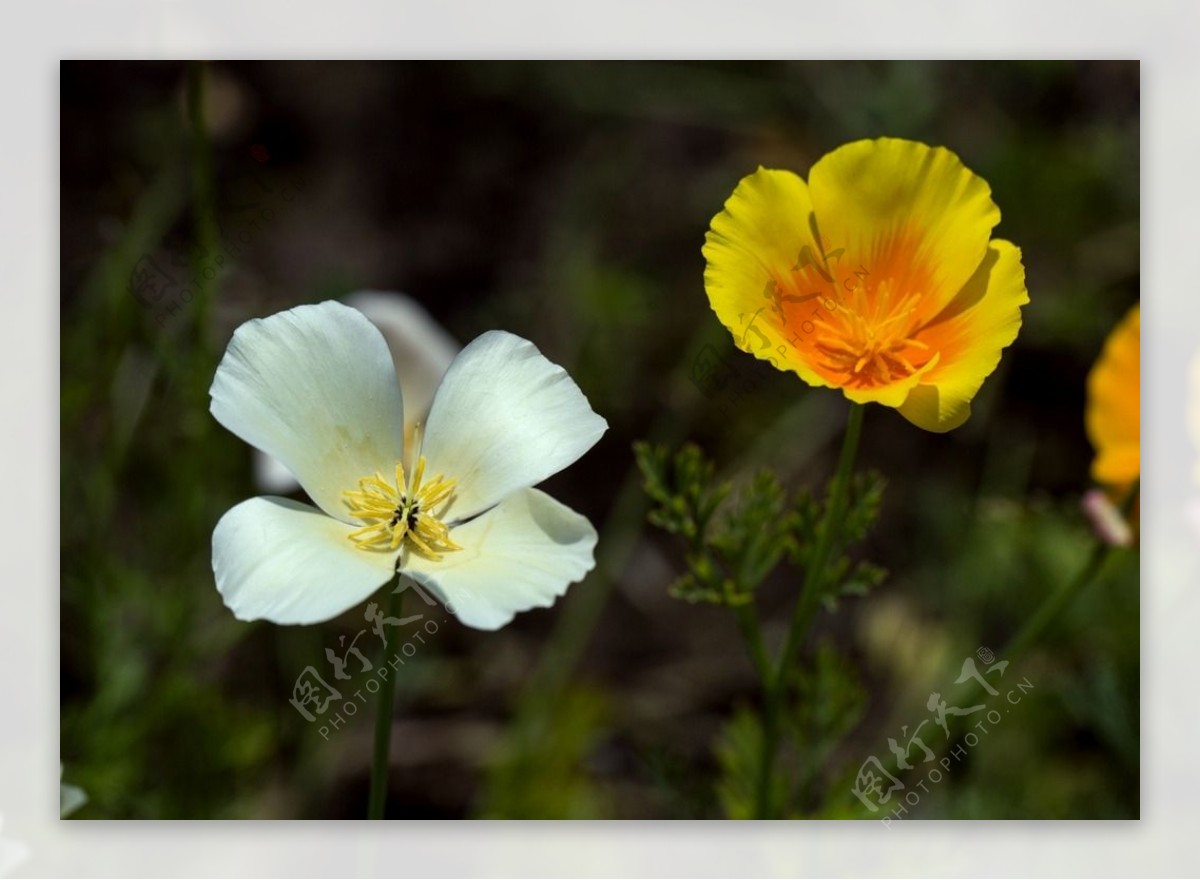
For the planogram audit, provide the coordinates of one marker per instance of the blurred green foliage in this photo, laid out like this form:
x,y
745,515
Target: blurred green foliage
x,y
733,547
808,781
733,543
568,203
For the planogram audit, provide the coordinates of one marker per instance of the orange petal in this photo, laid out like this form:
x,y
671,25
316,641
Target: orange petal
x,y
970,334
1113,414
885,198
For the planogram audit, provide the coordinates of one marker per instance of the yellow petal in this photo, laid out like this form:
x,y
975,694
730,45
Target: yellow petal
x,y
757,264
875,198
1113,415
969,334
897,392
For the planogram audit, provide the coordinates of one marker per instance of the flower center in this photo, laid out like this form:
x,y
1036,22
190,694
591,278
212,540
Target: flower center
x,y
868,338
399,512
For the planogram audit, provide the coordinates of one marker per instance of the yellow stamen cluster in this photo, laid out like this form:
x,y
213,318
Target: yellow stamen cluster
x,y
398,513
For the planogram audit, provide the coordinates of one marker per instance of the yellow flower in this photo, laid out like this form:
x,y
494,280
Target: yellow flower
x,y
1113,405
879,277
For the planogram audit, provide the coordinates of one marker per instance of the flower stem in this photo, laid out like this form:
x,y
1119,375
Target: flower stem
x,y
204,215
827,540
383,713
748,623
1056,601
806,606
1061,598
1050,608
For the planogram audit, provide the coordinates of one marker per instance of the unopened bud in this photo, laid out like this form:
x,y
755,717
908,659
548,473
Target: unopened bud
x,y
1106,519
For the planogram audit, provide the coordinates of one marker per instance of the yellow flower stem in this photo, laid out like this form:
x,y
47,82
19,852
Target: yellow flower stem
x,y
806,606
383,712
1062,597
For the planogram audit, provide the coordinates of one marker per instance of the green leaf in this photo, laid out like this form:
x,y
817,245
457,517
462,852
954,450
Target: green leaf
x,y
738,751
755,533
829,701
683,487
856,581
864,499
734,543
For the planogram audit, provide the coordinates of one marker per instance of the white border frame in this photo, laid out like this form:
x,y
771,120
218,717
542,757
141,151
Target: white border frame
x,y
35,37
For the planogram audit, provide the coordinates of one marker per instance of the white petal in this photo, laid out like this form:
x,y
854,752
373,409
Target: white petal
x,y
421,348
271,476
522,554
503,419
279,560
315,388
422,351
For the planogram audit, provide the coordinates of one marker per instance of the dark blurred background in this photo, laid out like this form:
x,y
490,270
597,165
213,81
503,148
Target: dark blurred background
x,y
567,202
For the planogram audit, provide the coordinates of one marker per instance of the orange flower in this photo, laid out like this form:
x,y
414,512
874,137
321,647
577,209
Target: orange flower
x,y
1112,416
878,276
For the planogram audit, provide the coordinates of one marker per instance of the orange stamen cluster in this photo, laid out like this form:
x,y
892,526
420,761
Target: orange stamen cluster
x,y
869,338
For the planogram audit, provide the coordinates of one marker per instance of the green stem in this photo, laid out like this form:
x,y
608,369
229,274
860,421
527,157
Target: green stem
x,y
827,540
1054,604
752,634
806,606
1057,601
1062,597
203,202
383,712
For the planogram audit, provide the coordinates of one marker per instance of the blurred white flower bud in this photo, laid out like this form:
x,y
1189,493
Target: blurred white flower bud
x,y
1106,519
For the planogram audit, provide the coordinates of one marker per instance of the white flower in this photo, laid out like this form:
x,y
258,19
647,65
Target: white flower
x,y
316,388
12,852
422,351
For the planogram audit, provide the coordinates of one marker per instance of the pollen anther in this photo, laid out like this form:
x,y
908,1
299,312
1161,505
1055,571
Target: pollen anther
x,y
868,340
397,512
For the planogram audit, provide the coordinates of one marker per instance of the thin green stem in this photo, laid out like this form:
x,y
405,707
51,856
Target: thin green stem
x,y
1057,601
383,712
748,623
197,356
806,605
204,214
1062,597
828,538
1054,604
1035,625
